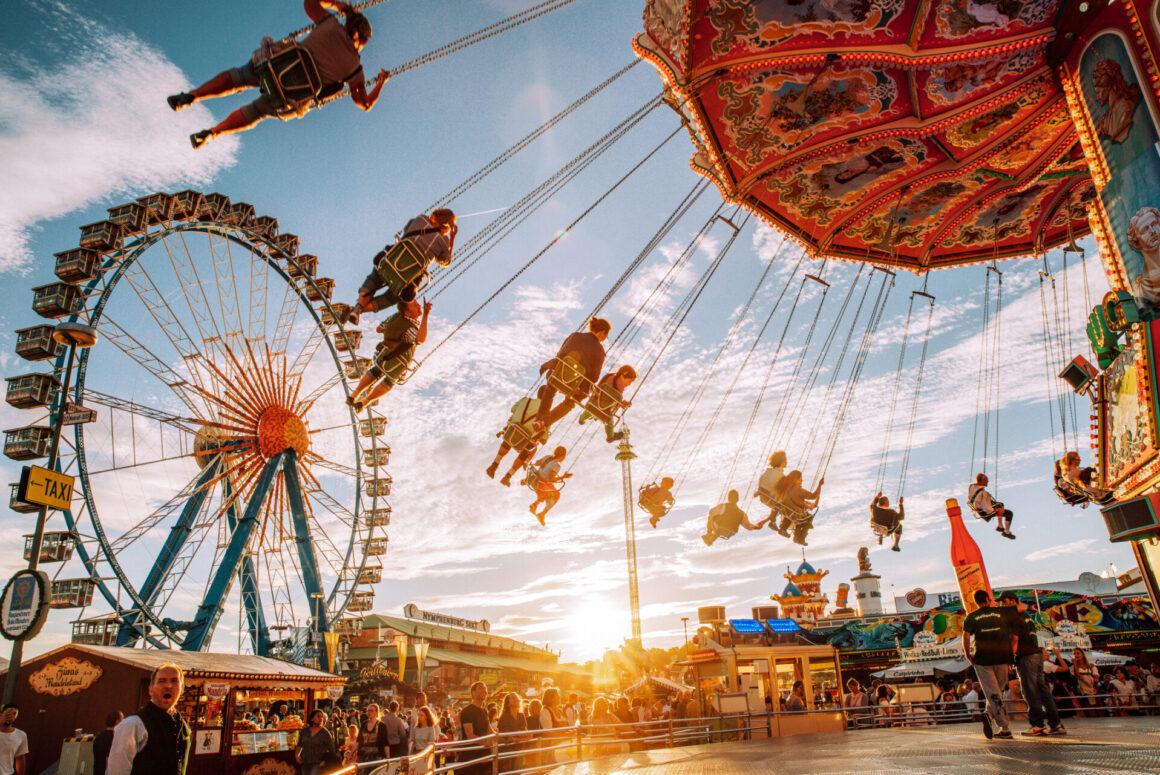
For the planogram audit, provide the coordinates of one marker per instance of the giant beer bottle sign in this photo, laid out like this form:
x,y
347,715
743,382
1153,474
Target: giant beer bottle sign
x,y
970,572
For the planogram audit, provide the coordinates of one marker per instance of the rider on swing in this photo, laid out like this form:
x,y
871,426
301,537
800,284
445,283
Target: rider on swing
x,y
769,479
402,333
611,389
329,53
657,499
986,508
796,502
428,238
544,478
887,519
1078,481
524,433
725,519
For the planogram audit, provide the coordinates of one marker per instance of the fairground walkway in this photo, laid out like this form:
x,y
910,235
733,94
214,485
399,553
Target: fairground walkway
x,y
1092,746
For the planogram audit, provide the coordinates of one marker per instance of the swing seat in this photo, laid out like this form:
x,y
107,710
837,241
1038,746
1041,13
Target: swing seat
x,y
539,484
604,404
288,78
567,376
879,530
402,265
521,436
777,508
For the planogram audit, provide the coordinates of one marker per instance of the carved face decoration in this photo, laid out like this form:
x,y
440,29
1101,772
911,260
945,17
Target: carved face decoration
x,y
1144,230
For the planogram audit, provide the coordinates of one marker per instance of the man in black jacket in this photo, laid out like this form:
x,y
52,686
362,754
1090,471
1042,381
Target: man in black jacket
x,y
155,739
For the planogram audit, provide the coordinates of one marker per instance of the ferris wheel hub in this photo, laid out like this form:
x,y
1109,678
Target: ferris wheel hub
x,y
279,429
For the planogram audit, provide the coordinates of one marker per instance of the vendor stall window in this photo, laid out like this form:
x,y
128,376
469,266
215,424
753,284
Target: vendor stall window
x,y
786,671
824,679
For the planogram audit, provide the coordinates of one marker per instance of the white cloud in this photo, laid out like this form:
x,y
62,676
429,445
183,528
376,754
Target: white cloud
x,y
92,126
1070,548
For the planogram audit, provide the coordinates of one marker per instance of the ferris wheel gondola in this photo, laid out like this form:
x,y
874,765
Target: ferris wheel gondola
x,y
222,450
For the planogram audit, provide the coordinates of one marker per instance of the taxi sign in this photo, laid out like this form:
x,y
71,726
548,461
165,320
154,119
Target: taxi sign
x,y
45,487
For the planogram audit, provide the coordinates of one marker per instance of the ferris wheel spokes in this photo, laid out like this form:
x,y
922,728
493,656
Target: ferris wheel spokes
x,y
199,631
113,333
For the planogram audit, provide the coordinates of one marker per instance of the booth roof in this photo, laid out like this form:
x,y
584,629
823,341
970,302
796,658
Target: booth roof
x,y
198,664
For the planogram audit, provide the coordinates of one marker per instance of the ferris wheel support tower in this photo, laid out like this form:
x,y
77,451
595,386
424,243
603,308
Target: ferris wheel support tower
x,y
625,455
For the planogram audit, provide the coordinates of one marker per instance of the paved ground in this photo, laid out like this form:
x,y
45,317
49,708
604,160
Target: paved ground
x,y
1092,747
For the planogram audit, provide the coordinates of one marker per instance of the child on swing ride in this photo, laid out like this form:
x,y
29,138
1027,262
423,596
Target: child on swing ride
x,y
524,433
544,478
402,333
608,397
887,519
330,53
657,499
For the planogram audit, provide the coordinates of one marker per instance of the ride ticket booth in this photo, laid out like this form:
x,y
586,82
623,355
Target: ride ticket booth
x,y
65,695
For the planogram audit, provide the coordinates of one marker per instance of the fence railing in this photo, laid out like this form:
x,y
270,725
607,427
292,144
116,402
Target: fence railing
x,y
536,751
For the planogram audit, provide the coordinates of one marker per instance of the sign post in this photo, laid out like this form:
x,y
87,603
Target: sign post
x,y
48,488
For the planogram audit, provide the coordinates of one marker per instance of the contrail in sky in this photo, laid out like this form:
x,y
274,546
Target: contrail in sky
x,y
485,212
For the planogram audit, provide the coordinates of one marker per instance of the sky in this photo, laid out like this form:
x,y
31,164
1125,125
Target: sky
x,y
84,126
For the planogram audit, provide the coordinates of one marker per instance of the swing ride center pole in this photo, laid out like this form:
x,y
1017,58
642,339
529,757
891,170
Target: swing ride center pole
x,y
625,455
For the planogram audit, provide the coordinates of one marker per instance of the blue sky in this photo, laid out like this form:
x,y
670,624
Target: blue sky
x,y
84,125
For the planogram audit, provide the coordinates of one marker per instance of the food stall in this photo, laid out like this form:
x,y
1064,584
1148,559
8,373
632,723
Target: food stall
x,y
72,688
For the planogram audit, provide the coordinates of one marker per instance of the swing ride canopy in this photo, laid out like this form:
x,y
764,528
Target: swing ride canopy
x,y
901,132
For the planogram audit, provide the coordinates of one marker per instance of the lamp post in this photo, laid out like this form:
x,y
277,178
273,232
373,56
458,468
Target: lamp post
x,y
316,632
71,335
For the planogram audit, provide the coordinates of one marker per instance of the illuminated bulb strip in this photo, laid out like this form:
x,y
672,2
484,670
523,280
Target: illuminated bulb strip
x,y
1084,127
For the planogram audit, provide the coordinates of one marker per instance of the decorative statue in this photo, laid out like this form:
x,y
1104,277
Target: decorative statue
x,y
864,560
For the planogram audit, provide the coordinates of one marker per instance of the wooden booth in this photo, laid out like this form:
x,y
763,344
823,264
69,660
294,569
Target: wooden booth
x,y
73,688
767,673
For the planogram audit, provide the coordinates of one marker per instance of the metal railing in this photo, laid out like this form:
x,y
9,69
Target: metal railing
x,y
537,751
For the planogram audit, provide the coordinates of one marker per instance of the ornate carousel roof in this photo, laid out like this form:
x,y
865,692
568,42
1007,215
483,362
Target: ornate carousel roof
x,y
910,133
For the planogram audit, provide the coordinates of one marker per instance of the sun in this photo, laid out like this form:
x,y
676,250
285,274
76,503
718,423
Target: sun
x,y
596,626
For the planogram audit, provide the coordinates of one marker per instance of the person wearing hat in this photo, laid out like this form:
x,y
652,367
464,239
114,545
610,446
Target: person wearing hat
x,y
1029,665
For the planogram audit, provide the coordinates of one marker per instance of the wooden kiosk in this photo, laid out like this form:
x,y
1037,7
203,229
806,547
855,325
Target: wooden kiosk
x,y
75,686
763,671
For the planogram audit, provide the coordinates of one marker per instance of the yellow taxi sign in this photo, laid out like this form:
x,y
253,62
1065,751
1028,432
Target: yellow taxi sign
x,y
45,487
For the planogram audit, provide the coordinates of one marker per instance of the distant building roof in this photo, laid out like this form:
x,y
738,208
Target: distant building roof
x,y
805,567
442,632
791,590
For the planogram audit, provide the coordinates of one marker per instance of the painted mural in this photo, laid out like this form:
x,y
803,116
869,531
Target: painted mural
x,y
1127,436
945,622
1130,143
803,111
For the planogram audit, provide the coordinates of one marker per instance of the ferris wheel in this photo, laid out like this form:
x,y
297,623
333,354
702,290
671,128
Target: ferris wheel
x,y
223,472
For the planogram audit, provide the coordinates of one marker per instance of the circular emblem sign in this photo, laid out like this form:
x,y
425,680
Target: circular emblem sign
x,y
916,597
24,605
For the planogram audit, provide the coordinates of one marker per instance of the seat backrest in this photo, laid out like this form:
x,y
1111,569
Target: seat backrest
x,y
401,265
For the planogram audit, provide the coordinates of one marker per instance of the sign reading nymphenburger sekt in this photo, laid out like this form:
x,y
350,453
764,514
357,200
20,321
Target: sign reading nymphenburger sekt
x,y
24,605
412,611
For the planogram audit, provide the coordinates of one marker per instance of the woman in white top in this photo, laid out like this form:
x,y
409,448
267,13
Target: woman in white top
x,y
426,729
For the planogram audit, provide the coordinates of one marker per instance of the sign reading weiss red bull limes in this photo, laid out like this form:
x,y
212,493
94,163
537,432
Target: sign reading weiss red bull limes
x,y
970,571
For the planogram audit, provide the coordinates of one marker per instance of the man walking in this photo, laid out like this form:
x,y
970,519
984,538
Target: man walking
x,y
155,739
990,646
13,743
397,735
1029,664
